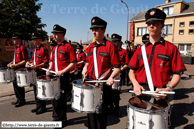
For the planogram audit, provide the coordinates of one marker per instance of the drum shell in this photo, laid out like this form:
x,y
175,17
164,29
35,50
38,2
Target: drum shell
x,y
25,78
50,90
7,75
86,98
3,76
142,119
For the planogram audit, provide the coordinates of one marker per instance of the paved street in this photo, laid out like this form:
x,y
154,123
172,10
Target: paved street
x,y
181,116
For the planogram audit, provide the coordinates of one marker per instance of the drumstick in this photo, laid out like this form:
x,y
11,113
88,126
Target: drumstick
x,y
48,70
44,69
102,81
149,93
163,92
151,104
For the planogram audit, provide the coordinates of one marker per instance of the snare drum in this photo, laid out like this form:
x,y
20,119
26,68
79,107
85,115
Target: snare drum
x,y
87,97
6,75
25,77
115,86
145,112
48,88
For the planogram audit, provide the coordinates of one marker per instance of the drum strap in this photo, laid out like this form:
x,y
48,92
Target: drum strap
x,y
148,74
96,67
56,65
35,57
14,58
95,63
147,69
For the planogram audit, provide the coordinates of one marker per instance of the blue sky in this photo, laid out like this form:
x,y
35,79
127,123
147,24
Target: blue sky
x,y
76,15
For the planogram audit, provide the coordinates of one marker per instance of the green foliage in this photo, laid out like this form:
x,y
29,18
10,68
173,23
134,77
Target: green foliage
x,y
20,16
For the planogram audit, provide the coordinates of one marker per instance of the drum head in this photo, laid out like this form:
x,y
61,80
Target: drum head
x,y
46,78
144,103
85,85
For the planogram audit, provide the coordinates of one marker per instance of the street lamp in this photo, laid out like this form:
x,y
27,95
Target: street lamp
x,y
127,19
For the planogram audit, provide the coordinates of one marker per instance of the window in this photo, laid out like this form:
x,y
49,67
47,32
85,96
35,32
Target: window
x,y
191,23
191,31
181,47
181,32
168,10
141,31
167,29
182,24
184,49
188,47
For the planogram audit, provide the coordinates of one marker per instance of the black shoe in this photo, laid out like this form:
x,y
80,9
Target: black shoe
x,y
40,111
64,124
35,110
14,103
20,103
117,114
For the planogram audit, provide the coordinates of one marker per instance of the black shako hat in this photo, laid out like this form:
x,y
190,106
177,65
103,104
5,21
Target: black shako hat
x,y
36,35
17,35
58,29
79,46
145,38
97,22
52,42
116,37
155,14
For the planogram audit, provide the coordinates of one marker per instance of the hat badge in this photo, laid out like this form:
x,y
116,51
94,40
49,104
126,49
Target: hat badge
x,y
152,13
93,20
147,37
32,33
113,36
54,27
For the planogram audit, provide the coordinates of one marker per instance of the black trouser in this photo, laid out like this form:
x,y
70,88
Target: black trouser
x,y
60,105
122,81
99,121
115,99
19,91
39,103
127,75
79,74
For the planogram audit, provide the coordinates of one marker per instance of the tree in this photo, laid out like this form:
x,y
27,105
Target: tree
x,y
19,16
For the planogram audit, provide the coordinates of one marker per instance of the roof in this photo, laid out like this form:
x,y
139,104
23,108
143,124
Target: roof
x,y
90,41
188,9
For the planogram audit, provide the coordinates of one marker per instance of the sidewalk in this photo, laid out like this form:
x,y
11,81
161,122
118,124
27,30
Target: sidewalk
x,y
190,69
7,89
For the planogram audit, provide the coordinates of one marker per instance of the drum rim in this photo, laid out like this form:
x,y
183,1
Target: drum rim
x,y
149,111
23,71
4,68
42,80
84,87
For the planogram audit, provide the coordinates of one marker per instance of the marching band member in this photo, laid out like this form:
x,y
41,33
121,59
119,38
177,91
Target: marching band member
x,y
163,58
19,61
52,45
102,55
39,60
63,59
145,38
123,56
81,58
